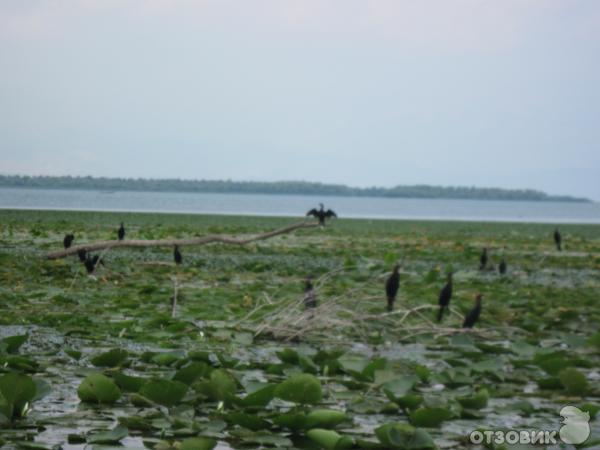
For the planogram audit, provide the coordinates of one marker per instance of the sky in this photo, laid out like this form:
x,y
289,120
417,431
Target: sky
x,y
361,92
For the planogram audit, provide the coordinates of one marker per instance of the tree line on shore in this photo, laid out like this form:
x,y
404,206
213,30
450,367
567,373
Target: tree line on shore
x,y
277,187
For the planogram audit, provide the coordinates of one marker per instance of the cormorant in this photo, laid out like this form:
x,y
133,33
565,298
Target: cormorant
x,y
445,296
68,240
177,255
91,262
473,315
558,240
81,253
121,232
502,267
321,214
391,287
483,259
310,297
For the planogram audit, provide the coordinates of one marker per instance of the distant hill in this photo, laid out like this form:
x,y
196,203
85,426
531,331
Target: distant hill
x,y
277,187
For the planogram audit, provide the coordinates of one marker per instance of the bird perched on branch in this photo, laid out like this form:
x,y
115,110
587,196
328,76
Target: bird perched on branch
x,y
177,255
321,214
558,240
445,296
310,296
68,240
502,267
473,315
483,259
82,254
392,285
121,232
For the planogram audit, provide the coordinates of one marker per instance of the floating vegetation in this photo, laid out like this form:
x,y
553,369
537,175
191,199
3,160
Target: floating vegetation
x,y
237,362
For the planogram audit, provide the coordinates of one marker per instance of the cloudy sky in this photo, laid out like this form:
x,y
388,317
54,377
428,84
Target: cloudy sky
x,y
362,92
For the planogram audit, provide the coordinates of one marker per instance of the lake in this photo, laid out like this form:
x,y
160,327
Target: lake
x,y
297,205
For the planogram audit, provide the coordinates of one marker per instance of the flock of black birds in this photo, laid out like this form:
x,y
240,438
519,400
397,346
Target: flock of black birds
x,y
392,284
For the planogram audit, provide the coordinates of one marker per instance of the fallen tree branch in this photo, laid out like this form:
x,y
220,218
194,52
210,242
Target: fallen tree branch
x,y
209,239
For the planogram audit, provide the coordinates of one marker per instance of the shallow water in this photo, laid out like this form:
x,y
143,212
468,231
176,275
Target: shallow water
x,y
296,205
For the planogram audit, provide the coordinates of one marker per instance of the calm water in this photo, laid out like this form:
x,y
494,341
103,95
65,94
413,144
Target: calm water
x,y
297,205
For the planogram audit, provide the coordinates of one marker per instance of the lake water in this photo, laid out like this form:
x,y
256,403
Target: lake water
x,y
297,205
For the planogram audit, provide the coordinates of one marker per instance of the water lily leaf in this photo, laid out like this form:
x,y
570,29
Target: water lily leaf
x,y
198,443
192,372
329,440
574,381
41,389
429,417
16,392
109,437
398,387
111,358
411,401
260,398
325,418
166,358
164,392
12,344
404,437
477,401
294,421
250,421
128,383
288,356
550,383
302,388
97,388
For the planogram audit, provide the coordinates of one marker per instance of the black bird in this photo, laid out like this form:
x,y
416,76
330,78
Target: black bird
x,y
445,296
177,255
68,240
82,253
483,259
321,214
310,296
121,232
473,315
391,287
558,240
502,267
91,262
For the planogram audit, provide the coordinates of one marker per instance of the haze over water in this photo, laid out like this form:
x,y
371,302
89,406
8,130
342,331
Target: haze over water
x,y
298,205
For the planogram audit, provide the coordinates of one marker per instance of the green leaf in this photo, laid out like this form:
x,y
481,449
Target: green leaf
x,y
477,401
128,383
97,388
398,387
250,421
429,417
109,437
404,437
325,418
111,358
13,343
261,397
574,381
164,392
329,439
198,443
192,372
17,391
301,388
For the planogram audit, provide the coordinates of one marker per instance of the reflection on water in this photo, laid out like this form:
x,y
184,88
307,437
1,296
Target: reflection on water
x,y
297,205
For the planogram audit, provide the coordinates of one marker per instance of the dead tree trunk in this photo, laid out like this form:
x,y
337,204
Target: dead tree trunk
x,y
211,238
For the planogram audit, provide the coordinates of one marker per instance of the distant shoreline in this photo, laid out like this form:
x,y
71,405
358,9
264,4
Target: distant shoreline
x,y
278,188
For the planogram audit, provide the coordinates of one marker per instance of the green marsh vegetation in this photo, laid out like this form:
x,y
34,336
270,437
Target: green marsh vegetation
x,y
105,360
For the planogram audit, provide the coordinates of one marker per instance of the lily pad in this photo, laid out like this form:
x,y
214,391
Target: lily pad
x,y
97,388
330,440
164,392
301,388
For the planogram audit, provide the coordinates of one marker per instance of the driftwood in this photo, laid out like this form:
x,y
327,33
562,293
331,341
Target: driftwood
x,y
208,239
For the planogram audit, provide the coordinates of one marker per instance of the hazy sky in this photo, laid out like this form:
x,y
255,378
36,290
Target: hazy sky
x,y
372,92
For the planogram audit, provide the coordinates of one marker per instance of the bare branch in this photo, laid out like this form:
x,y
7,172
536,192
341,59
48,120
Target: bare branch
x,y
209,239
